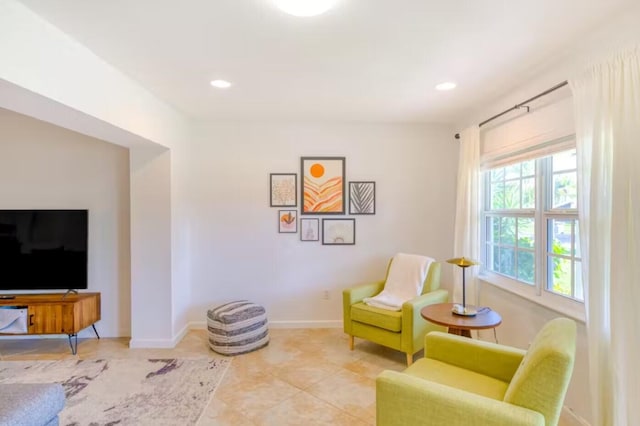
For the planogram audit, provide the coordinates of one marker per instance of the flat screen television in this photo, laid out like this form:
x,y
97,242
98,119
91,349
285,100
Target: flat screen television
x,y
43,249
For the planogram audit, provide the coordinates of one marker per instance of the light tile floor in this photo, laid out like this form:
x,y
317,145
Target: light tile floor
x,y
304,377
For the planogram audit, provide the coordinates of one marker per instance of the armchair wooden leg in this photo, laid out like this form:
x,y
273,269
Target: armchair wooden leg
x,y
351,340
409,359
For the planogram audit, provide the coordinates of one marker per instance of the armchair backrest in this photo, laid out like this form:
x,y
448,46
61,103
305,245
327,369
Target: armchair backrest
x,y
541,381
431,282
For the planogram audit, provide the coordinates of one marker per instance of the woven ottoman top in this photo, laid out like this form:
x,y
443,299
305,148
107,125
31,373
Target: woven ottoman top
x,y
235,312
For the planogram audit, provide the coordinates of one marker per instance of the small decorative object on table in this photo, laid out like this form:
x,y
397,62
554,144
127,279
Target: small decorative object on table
x,y
464,264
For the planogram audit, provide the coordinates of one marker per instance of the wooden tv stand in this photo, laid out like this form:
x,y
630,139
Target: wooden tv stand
x,y
57,313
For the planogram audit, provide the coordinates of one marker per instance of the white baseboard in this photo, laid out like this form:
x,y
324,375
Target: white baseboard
x,y
202,325
306,324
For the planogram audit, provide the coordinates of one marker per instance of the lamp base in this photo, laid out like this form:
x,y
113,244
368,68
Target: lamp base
x,y
464,311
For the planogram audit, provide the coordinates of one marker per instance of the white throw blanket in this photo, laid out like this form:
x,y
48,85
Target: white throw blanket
x,y
404,282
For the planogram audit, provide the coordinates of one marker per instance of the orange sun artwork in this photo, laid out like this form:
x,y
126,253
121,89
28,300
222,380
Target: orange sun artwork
x,y
323,185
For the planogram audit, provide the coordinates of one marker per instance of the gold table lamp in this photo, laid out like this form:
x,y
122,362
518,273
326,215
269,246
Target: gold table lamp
x,y
464,264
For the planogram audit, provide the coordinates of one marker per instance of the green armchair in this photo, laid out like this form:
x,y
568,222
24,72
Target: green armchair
x,y
471,382
401,330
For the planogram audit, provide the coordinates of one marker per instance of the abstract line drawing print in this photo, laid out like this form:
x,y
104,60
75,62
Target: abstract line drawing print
x,y
284,191
362,198
309,230
338,231
323,185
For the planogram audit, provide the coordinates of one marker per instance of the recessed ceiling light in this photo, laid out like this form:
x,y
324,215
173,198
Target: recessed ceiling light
x,y
221,84
447,85
305,7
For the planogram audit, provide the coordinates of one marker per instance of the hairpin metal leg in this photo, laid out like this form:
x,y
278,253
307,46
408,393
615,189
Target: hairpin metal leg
x,y
95,331
74,347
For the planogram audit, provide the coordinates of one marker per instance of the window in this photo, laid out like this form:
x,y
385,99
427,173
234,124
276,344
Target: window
x,y
530,230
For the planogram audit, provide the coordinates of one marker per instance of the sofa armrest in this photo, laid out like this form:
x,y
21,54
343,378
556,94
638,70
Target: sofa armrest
x,y
402,399
413,324
490,359
354,295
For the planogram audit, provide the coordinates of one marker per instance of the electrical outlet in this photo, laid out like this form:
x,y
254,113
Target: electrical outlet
x,y
325,295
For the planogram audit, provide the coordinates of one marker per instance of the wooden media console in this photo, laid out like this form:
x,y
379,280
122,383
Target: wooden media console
x,y
57,313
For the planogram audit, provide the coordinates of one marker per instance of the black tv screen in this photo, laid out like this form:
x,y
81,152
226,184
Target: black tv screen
x,y
43,249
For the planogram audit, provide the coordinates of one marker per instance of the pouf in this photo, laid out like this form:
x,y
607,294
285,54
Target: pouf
x,y
237,328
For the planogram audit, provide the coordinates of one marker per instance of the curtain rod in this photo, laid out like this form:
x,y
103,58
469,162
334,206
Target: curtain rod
x,y
521,105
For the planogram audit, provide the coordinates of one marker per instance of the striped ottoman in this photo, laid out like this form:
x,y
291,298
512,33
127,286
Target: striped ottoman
x,y
237,328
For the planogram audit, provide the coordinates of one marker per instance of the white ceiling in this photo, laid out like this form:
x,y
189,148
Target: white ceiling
x,y
365,60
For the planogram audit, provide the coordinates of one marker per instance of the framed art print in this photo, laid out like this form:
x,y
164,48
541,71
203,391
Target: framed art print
x,y
309,229
284,190
338,231
322,185
287,221
362,198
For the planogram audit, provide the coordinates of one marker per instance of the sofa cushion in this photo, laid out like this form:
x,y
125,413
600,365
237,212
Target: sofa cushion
x,y
383,318
456,377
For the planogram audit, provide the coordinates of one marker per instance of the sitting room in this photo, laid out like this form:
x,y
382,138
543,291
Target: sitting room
x,y
336,212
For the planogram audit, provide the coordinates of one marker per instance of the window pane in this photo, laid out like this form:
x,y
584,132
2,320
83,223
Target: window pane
x,y
497,195
493,229
526,267
508,231
512,171
559,276
526,232
507,261
560,241
529,193
495,265
565,193
497,174
528,168
512,194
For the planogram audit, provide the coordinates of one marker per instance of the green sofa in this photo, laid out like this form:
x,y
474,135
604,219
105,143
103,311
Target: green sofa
x,y
471,382
403,330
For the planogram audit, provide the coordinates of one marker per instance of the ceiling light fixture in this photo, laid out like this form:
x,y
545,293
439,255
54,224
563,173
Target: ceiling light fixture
x,y
447,85
305,7
221,84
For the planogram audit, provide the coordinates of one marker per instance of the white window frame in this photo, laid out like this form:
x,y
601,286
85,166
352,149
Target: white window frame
x,y
538,292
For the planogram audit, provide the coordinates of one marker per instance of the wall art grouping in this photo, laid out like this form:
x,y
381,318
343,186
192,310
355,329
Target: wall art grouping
x,y
322,192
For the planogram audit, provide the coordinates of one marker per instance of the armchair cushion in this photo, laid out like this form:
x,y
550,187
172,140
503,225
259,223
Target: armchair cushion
x,y
461,378
383,318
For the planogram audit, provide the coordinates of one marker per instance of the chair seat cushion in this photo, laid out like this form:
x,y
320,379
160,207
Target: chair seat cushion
x,y
237,328
383,318
456,377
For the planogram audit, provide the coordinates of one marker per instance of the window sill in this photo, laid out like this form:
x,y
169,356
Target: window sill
x,y
562,305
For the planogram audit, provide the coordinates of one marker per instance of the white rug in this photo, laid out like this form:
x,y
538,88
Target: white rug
x,y
126,391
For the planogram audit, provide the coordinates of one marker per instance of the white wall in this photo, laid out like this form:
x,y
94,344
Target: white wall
x,y
236,250
45,166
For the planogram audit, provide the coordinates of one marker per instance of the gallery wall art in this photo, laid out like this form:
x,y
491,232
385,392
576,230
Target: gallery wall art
x,y
362,198
309,229
284,190
287,221
338,231
323,185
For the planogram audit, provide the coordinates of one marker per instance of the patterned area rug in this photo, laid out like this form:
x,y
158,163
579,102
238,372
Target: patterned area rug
x,y
125,391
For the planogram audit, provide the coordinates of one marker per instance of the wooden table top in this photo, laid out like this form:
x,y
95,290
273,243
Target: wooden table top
x,y
440,313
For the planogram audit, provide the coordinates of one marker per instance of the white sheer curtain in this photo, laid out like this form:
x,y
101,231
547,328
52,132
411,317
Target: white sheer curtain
x,y
466,233
607,112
